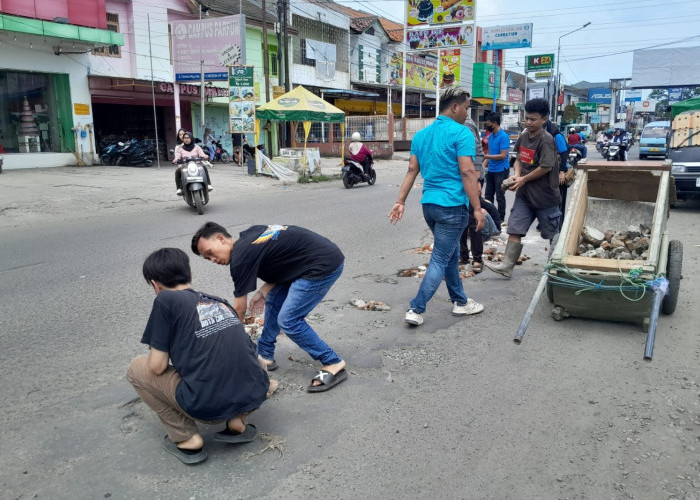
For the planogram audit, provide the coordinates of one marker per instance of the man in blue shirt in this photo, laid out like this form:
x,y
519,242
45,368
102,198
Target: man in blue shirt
x,y
499,167
444,153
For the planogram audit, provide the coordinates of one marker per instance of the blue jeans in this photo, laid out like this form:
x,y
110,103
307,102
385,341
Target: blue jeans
x,y
286,308
493,188
447,224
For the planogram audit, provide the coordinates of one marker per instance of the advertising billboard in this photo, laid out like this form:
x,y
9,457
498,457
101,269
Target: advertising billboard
x,y
587,107
449,67
241,108
218,42
421,73
452,36
539,62
674,67
512,36
431,12
633,95
515,96
599,95
484,80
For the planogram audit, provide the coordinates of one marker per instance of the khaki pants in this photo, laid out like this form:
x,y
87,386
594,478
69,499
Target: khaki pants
x,y
158,392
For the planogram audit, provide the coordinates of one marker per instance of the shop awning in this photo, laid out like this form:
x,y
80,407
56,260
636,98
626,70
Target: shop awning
x,y
488,102
68,32
347,93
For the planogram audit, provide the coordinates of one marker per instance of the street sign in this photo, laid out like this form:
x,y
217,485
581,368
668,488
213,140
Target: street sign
x,y
587,107
539,62
512,36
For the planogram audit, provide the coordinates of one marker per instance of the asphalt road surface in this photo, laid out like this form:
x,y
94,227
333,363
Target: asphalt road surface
x,y
453,409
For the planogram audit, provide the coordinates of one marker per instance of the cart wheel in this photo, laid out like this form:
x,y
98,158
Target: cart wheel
x,y
559,313
548,286
673,275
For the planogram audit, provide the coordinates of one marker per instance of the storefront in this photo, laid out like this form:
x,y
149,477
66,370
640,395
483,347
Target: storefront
x,y
35,113
45,112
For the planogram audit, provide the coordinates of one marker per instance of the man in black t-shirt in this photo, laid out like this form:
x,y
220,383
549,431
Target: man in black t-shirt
x,y
215,373
298,267
536,183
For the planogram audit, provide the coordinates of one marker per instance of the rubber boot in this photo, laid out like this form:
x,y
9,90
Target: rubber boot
x,y
505,268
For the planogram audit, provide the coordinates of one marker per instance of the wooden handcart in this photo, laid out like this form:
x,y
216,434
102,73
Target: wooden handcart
x,y
615,195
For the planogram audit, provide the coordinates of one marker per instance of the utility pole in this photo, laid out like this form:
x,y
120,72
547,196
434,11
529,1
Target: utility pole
x,y
285,56
266,69
201,81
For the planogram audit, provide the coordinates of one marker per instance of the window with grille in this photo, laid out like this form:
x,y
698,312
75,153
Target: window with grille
x,y
304,60
112,50
273,64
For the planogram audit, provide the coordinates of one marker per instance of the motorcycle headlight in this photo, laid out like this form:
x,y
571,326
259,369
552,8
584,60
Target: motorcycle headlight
x,y
677,169
192,168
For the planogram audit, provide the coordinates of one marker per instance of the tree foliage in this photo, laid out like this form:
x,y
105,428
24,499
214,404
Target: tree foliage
x,y
571,114
663,108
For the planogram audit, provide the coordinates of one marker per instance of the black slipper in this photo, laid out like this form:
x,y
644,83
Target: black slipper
x,y
188,457
229,436
271,367
327,379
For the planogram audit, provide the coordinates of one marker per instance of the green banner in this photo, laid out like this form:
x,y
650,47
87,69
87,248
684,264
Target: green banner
x,y
241,80
587,107
539,62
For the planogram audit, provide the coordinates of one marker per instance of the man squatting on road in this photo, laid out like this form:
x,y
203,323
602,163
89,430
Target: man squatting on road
x,y
536,185
298,267
215,376
444,153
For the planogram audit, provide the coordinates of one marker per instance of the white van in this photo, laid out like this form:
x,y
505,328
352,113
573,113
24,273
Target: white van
x,y
584,128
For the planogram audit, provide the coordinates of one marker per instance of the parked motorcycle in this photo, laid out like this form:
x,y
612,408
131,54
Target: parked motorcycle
x,y
353,173
194,182
220,154
110,153
135,153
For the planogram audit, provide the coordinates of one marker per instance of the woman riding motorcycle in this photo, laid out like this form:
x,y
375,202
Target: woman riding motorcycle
x,y
189,149
360,153
620,137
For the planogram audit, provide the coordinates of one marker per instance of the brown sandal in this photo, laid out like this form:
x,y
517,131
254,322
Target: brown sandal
x,y
477,267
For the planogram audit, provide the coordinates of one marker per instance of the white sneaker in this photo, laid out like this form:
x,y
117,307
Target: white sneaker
x,y
471,307
210,188
178,192
413,318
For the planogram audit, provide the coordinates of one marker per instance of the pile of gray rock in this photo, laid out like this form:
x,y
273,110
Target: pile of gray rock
x,y
631,244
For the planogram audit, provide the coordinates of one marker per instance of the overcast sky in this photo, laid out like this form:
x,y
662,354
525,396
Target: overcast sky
x,y
589,54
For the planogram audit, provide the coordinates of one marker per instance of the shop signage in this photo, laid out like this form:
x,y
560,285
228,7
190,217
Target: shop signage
x,y
430,12
81,109
483,80
241,108
420,72
515,96
449,67
543,74
192,90
536,93
277,91
219,42
512,36
633,95
452,36
599,95
587,107
539,62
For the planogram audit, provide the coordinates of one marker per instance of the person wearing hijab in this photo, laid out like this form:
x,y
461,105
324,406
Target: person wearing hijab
x,y
189,149
359,152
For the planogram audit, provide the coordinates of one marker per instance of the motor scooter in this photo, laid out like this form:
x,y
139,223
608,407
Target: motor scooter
x,y
194,182
353,173
575,156
135,153
220,154
614,151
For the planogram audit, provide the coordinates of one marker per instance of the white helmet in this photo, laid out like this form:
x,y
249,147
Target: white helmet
x,y
355,137
572,130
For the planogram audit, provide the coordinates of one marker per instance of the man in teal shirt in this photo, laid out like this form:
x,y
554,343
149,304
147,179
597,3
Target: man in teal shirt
x,y
444,153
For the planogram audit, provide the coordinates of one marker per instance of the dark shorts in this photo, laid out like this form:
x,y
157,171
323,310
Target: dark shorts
x,y
522,216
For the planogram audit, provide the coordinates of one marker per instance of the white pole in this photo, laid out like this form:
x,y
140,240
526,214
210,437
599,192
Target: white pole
x,y
403,69
153,89
437,86
201,81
